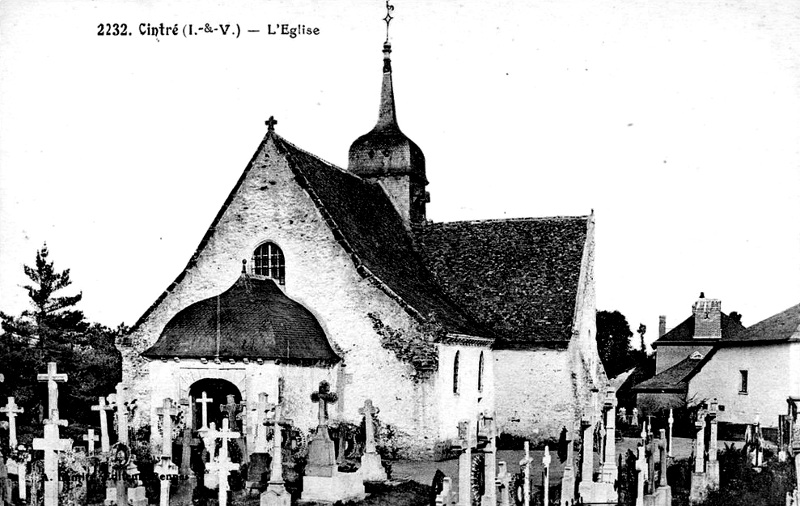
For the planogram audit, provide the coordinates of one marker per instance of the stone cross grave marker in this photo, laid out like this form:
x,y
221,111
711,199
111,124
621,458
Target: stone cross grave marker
x,y
546,459
276,494
167,411
503,483
371,467
231,409
222,464
12,410
670,422
204,400
321,452
52,377
165,470
260,426
635,417
21,476
101,407
467,441
699,453
525,465
641,475
51,444
120,412
489,497
187,441
90,439
369,411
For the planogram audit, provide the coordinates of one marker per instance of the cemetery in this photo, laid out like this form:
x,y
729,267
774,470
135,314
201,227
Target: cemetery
x,y
591,463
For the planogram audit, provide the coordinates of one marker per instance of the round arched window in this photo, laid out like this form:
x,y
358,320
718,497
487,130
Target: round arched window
x,y
268,262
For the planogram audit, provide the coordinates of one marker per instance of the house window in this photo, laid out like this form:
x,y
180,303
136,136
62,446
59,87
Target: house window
x,y
480,373
455,372
743,383
268,262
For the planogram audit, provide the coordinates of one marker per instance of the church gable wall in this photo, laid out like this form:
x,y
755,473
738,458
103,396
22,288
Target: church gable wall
x,y
271,206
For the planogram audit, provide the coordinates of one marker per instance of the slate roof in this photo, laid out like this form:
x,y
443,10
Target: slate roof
x,y
366,224
254,318
783,326
684,332
676,378
518,277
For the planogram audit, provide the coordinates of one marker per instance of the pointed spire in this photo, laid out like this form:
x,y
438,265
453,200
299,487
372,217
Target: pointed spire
x,y
387,115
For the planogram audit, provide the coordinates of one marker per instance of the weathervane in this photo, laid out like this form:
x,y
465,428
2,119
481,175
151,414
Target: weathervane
x,y
388,18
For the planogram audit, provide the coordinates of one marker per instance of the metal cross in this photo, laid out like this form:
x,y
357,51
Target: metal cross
x,y
388,18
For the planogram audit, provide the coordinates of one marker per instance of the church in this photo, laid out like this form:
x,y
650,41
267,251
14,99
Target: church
x,y
311,272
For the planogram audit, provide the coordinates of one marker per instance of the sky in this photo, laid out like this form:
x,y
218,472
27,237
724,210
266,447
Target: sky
x,y
676,122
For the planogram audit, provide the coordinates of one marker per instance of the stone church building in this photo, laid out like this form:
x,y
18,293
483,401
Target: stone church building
x,y
310,272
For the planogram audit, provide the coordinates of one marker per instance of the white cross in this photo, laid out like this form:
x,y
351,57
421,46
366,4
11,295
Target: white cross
x,y
546,459
203,401
12,410
51,443
90,438
121,413
52,378
165,470
222,464
276,475
102,407
526,487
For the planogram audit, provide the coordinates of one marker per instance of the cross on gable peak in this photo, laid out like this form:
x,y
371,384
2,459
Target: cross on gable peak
x,y
271,122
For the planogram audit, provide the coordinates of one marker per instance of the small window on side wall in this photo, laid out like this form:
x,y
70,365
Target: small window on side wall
x,y
480,373
455,372
268,261
743,382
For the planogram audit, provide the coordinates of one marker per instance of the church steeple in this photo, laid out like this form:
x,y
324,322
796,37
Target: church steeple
x,y
385,155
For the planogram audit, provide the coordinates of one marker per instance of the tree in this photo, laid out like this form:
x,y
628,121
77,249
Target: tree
x,y
613,342
54,330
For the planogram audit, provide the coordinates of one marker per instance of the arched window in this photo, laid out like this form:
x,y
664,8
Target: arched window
x,y
268,262
455,373
480,373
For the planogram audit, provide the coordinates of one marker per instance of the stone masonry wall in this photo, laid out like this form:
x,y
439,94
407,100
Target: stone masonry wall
x,y
270,206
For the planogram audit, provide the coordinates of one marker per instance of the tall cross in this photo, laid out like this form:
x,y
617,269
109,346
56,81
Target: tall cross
x,y
222,464
52,378
388,18
12,410
102,406
165,471
271,122
276,475
51,444
121,413
526,486
259,427
369,411
90,439
324,396
546,459
203,401
187,441
167,411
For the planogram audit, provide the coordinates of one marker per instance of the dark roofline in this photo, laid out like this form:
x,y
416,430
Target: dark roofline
x,y
685,380
506,220
359,265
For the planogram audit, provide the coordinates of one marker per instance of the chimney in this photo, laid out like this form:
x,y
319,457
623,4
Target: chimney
x,y
707,318
662,326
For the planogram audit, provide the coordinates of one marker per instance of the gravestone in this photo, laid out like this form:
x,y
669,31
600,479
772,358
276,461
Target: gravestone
x,y
503,483
608,471
670,423
52,377
101,407
322,480
635,417
184,487
467,441
11,410
91,438
663,492
222,464
5,482
699,481
568,477
371,467
489,497
641,475
712,466
601,491
276,494
51,444
443,496
259,460
546,474
204,400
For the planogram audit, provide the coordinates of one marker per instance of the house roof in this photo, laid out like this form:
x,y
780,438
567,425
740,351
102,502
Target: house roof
x,y
676,378
783,326
366,224
519,277
684,332
251,319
